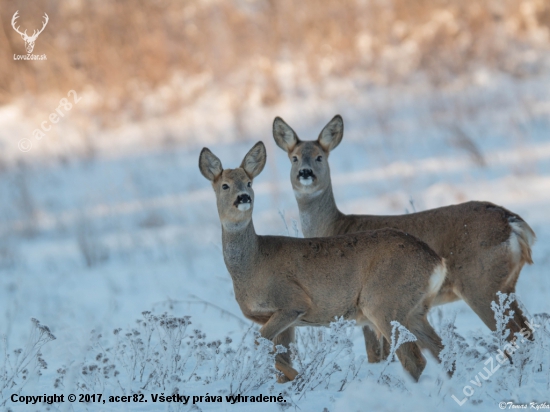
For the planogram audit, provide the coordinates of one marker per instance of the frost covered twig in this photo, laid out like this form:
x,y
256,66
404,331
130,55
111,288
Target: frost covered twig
x,y
501,317
18,367
399,335
319,354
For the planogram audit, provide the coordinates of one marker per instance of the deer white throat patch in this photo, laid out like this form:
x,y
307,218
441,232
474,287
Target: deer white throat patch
x,y
243,206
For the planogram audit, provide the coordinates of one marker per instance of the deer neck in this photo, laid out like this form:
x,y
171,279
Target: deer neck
x,y
318,213
240,247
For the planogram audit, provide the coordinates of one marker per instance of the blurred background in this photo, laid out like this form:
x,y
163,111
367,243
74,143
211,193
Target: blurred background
x,y
105,214
167,67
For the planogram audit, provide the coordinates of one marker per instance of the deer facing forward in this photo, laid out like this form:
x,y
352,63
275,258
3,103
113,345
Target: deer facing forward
x,y
485,245
282,282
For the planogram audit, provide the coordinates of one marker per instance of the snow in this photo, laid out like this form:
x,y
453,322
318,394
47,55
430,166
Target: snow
x,y
90,244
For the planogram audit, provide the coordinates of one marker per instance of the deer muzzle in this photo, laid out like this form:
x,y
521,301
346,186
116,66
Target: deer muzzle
x,y
243,202
306,176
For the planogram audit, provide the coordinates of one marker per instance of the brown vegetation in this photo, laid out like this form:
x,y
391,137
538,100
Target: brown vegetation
x,y
125,49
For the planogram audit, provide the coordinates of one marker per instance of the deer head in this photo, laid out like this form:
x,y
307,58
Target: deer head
x,y
233,187
310,172
29,40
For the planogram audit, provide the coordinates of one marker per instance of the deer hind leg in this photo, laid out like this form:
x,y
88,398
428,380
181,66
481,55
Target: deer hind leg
x,y
478,293
378,348
385,348
480,302
411,358
521,320
426,335
408,353
283,363
481,305
277,327
424,332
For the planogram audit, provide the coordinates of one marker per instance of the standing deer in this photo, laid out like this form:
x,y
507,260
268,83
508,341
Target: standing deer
x,y
485,245
282,282
29,40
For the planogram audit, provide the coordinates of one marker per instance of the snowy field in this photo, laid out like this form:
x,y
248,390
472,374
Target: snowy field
x,y
99,249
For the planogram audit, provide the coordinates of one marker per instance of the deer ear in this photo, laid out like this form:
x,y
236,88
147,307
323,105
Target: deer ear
x,y
284,136
254,161
209,165
332,134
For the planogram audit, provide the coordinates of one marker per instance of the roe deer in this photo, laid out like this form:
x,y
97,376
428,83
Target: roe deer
x,y
282,282
485,245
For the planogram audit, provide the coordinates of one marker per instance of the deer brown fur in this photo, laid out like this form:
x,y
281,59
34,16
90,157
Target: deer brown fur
x,y
281,282
485,245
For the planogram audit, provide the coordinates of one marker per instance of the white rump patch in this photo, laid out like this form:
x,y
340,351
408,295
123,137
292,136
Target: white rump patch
x,y
437,278
243,206
520,241
306,182
515,247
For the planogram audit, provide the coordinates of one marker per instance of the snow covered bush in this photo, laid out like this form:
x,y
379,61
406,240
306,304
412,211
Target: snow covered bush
x,y
23,364
482,369
323,356
163,353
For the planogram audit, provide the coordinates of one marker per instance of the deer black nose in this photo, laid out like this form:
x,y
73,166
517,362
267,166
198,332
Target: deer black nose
x,y
305,173
244,198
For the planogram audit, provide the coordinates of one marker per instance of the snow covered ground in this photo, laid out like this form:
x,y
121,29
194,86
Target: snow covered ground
x,y
87,245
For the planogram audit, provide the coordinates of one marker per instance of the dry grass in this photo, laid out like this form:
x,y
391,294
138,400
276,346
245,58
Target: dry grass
x,y
126,49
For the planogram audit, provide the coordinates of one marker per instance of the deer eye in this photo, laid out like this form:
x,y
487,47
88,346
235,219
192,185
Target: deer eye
x,y
294,159
319,158
249,184
225,187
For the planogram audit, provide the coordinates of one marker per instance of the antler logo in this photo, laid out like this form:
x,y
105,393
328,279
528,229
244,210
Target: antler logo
x,y
29,40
